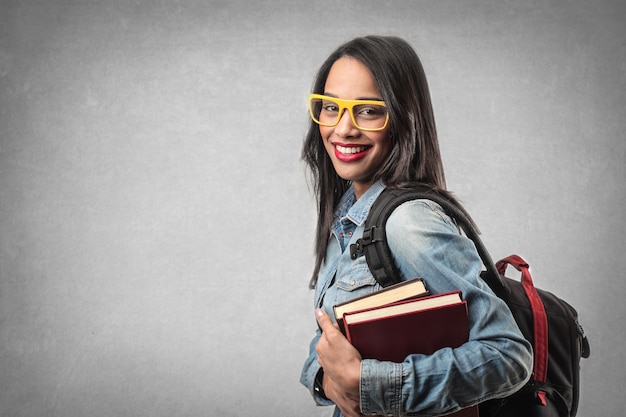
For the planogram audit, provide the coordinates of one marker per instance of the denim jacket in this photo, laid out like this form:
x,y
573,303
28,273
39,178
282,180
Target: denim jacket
x,y
425,243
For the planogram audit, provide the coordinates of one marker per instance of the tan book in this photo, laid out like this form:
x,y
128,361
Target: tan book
x,y
404,290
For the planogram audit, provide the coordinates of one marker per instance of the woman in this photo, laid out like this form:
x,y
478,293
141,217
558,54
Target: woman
x,y
372,127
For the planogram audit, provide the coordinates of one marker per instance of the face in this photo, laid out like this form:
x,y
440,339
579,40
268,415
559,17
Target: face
x,y
355,154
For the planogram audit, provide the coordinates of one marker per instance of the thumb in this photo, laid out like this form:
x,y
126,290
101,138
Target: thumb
x,y
323,320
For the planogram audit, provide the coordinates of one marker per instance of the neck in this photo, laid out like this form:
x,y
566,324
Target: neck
x,y
360,188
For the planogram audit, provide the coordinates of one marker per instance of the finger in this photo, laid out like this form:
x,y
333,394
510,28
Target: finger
x,y
323,320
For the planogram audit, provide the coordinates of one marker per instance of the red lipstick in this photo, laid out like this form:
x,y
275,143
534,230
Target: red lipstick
x,y
350,153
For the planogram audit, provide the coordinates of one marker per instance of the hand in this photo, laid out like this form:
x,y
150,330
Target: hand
x,y
349,406
342,367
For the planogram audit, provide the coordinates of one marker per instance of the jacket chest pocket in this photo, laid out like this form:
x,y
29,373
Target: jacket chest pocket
x,y
355,279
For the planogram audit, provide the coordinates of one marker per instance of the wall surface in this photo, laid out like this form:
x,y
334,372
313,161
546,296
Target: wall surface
x,y
156,225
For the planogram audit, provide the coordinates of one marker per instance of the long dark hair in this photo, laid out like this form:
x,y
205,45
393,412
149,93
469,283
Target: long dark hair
x,y
414,157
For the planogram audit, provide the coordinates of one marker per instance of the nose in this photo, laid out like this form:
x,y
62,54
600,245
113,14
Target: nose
x,y
346,126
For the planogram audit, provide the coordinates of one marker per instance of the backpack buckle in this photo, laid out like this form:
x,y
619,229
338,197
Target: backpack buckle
x,y
356,249
370,235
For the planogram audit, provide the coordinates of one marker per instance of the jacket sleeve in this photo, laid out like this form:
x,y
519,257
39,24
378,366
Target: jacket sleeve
x,y
495,362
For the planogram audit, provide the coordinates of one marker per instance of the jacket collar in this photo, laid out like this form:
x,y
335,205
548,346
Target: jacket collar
x,y
354,210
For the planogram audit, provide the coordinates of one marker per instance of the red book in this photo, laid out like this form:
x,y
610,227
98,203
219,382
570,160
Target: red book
x,y
403,290
423,325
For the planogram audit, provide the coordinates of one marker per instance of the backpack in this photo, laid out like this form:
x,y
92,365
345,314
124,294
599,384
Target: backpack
x,y
547,322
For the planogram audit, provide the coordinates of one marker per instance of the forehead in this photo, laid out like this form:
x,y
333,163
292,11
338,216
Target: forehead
x,y
350,79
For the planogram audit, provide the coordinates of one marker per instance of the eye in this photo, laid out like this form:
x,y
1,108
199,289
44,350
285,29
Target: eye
x,y
370,111
329,106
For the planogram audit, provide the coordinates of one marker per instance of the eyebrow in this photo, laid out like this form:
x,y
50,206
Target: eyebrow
x,y
360,98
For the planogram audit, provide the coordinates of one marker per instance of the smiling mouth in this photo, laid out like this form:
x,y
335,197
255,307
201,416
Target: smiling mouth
x,y
351,150
351,153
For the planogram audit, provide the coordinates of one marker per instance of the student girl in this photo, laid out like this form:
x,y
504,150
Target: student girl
x,y
372,127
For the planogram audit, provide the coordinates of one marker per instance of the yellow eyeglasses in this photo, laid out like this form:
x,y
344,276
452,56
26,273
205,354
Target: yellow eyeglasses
x,y
367,115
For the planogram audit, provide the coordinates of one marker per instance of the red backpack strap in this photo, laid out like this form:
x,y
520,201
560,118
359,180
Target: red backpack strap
x,y
540,320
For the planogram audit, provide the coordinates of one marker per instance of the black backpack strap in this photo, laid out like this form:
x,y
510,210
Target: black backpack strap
x,y
374,241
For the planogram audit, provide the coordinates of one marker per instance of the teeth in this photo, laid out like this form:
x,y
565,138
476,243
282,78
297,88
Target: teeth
x,y
351,149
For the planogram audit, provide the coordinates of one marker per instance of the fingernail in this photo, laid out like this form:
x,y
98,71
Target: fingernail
x,y
319,312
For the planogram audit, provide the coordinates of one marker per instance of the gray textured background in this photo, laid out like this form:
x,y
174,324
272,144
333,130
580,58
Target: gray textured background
x,y
156,226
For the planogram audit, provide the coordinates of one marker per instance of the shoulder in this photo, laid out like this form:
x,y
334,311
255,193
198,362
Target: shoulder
x,y
424,241
421,228
419,215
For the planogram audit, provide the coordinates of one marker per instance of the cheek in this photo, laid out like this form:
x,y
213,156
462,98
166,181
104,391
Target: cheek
x,y
325,132
385,147
384,141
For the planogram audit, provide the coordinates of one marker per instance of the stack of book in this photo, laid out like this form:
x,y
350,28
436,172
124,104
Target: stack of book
x,y
405,319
